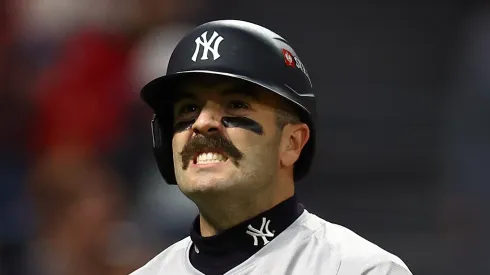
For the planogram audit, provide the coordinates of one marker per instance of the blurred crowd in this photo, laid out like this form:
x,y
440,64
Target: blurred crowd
x,y
79,189
74,135
465,205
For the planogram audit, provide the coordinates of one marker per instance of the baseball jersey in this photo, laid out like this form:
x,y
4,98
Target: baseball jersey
x,y
309,245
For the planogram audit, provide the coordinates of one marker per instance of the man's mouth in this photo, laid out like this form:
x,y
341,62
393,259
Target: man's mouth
x,y
211,156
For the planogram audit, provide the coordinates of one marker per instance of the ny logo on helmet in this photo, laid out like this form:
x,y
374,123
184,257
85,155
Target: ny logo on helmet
x,y
206,45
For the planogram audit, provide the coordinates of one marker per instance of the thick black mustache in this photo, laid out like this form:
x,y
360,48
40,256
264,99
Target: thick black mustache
x,y
214,142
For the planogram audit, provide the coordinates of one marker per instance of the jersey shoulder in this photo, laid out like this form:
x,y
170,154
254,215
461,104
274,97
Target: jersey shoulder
x,y
170,255
352,250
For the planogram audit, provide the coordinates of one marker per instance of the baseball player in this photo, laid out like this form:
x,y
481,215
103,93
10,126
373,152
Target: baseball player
x,y
234,128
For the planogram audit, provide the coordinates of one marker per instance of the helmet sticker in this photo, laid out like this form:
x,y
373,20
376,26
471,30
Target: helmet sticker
x,y
293,61
288,58
211,45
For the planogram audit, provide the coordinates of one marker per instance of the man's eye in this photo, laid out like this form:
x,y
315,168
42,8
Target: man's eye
x,y
188,108
237,104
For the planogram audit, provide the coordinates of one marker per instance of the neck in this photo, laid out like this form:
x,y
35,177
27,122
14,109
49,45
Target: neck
x,y
228,210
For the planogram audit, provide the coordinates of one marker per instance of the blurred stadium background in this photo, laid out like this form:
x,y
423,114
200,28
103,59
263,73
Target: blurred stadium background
x,y
404,154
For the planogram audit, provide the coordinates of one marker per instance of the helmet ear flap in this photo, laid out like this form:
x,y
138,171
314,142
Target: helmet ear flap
x,y
156,133
162,149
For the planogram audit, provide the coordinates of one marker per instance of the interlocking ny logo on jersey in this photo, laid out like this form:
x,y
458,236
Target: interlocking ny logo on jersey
x,y
203,41
260,232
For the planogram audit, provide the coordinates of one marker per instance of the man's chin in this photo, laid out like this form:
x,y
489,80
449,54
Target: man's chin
x,y
208,184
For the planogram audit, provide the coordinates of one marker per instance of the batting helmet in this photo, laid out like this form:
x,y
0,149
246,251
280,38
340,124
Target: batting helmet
x,y
239,50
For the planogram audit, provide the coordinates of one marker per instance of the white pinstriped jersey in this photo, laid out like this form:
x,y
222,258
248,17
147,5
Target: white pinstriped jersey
x,y
309,246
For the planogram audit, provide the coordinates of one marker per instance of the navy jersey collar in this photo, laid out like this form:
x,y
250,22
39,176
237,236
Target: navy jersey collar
x,y
222,252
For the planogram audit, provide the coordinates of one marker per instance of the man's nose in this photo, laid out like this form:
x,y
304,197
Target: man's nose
x,y
209,120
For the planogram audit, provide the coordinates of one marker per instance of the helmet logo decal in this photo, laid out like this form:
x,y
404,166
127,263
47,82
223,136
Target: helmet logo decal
x,y
288,58
211,45
293,61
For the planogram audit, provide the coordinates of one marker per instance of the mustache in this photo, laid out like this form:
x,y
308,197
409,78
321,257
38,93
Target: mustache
x,y
214,142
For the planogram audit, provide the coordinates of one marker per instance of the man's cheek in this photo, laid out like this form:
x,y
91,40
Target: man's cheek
x,y
252,146
241,137
176,149
177,160
178,142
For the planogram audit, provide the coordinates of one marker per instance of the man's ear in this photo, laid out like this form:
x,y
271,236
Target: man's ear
x,y
294,138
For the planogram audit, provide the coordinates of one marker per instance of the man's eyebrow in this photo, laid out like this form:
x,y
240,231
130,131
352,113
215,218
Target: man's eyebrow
x,y
244,90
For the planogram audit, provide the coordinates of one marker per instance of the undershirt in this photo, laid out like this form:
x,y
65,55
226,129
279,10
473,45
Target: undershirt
x,y
218,254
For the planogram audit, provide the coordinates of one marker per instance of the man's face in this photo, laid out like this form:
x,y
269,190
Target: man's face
x,y
226,138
